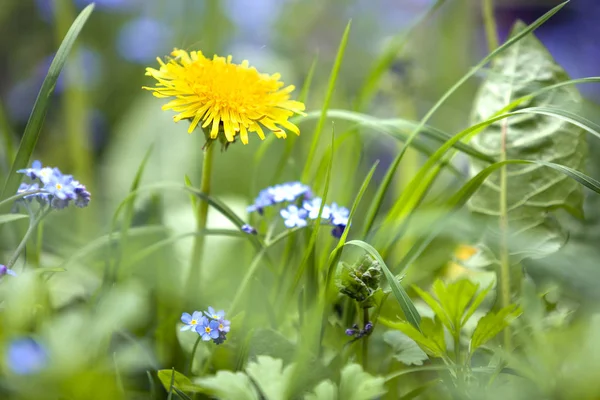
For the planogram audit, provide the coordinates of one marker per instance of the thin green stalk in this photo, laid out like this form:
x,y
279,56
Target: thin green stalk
x,y
490,25
30,230
504,257
201,219
365,341
193,355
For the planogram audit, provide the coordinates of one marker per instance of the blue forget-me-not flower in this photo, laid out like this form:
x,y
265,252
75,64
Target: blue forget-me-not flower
x,y
26,356
6,271
294,216
314,205
191,321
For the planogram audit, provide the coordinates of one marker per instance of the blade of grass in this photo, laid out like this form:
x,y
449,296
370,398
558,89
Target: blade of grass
x,y
377,202
38,114
330,89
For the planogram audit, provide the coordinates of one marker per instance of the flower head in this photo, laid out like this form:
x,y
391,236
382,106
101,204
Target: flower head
x,y
313,206
294,216
211,313
209,329
233,99
249,229
191,321
37,171
6,271
26,356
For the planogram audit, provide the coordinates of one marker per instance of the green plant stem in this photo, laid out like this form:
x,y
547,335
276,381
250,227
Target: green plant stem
x,y
201,219
365,341
30,230
193,355
504,257
490,25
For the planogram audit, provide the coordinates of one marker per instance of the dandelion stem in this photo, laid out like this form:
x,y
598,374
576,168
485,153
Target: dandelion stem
x,y
201,219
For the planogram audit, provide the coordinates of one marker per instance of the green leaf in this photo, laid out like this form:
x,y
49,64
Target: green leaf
x,y
356,384
378,200
178,380
4,218
436,307
38,114
325,390
270,376
406,350
227,385
432,342
410,312
454,298
492,324
540,135
476,303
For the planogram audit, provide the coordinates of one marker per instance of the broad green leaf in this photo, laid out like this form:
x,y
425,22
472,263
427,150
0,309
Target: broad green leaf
x,y
356,384
227,385
492,324
406,350
476,303
435,307
177,379
38,114
4,218
432,342
325,390
454,298
270,376
532,190
377,202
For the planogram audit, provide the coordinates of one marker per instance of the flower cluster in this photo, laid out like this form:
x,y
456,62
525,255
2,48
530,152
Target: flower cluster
x,y
297,215
4,270
210,325
53,187
359,333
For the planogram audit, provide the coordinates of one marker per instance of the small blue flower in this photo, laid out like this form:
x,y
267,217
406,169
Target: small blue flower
x,y
339,215
191,321
313,206
208,330
6,271
224,325
37,171
288,191
211,313
61,186
249,229
264,199
83,197
294,216
26,356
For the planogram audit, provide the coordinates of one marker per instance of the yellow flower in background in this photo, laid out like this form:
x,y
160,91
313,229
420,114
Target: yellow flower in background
x,y
232,99
462,253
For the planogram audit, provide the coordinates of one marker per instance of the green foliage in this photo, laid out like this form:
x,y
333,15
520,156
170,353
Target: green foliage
x,y
355,384
456,302
532,190
406,350
492,324
430,337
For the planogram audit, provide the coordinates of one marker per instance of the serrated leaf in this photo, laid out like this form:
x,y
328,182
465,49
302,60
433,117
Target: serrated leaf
x,y
407,351
430,340
492,324
356,384
454,298
270,376
179,381
532,190
476,303
325,390
227,385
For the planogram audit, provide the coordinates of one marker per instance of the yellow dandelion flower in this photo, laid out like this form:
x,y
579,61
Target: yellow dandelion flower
x,y
230,98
